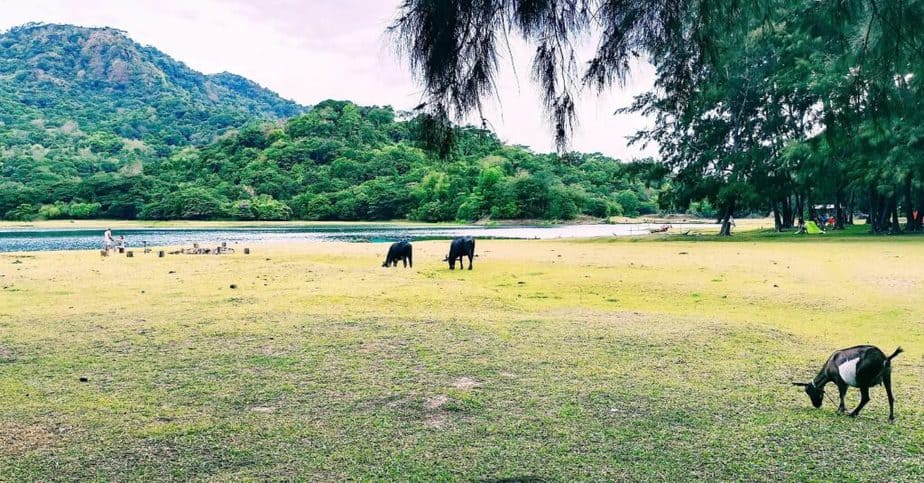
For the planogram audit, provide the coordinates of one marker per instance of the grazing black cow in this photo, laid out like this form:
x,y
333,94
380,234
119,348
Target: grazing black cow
x,y
863,367
401,250
464,246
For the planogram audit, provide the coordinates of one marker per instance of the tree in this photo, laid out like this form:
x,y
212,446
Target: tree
x,y
758,105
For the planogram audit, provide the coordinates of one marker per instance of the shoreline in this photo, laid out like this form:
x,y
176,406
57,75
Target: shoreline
x,y
102,224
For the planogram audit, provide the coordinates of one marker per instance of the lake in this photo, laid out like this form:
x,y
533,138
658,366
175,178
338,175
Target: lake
x,y
33,239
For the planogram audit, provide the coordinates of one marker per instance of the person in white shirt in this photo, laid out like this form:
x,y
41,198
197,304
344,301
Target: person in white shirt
x,y
107,239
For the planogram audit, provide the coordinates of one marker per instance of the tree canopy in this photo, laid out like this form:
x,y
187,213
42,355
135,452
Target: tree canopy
x,y
757,105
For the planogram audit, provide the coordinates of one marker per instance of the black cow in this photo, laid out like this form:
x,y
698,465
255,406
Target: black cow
x,y
464,246
401,250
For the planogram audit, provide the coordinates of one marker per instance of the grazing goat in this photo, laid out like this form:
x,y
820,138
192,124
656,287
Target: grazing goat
x,y
863,367
401,250
463,246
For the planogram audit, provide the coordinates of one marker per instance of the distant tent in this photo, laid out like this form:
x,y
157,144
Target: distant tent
x,y
812,229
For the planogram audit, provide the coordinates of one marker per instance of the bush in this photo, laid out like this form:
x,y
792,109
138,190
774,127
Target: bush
x,y
597,207
24,212
702,209
271,210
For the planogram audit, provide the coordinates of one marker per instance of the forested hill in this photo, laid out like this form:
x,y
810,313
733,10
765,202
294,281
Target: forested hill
x,y
339,161
72,92
93,124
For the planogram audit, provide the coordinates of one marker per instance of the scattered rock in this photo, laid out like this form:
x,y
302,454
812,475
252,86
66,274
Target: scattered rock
x,y
172,271
232,286
84,379
683,253
17,262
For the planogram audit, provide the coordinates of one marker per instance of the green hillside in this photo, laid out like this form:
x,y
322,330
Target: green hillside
x,y
93,124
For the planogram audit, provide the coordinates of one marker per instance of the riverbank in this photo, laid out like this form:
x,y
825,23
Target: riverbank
x,y
559,360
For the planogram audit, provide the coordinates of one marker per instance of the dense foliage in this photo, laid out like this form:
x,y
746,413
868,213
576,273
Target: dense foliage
x,y
345,162
95,125
759,105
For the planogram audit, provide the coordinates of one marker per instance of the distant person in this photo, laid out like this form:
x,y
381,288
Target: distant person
x,y
107,239
121,243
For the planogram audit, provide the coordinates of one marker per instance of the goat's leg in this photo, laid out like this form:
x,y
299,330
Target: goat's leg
x,y
842,389
864,398
887,383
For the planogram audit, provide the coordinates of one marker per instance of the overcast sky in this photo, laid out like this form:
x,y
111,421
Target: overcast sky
x,y
311,50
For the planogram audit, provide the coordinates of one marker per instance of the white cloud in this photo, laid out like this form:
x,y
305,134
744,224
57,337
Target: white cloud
x,y
315,50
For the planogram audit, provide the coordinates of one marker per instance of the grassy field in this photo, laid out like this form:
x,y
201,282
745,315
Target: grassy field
x,y
580,360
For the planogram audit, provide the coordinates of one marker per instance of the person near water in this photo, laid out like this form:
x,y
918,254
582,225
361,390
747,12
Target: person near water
x,y
107,239
121,243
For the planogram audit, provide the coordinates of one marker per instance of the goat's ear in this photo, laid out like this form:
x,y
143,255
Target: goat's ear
x,y
802,384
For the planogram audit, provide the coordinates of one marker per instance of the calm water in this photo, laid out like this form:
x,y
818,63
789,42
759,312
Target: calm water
x,y
30,239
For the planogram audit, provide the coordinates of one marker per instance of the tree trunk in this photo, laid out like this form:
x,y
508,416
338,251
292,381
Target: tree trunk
x,y
813,215
839,218
893,208
726,219
800,209
882,219
850,207
777,218
787,212
919,212
910,219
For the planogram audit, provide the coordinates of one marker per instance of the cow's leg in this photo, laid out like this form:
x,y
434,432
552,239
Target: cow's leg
x,y
864,398
410,259
887,383
842,389
404,261
470,257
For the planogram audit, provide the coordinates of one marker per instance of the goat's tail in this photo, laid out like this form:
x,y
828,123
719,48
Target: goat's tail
x,y
894,354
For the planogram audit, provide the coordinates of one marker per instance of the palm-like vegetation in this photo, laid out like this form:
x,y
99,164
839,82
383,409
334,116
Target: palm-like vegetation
x,y
759,104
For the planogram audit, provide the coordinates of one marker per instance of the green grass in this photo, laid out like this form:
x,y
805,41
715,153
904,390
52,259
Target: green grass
x,y
640,360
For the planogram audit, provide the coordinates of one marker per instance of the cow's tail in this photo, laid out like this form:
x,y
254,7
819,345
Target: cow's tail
x,y
894,355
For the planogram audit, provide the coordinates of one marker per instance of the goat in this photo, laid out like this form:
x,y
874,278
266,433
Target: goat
x,y
863,367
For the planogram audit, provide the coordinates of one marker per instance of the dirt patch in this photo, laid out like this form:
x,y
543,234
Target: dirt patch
x,y
263,409
894,285
434,403
6,355
17,439
436,421
465,383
